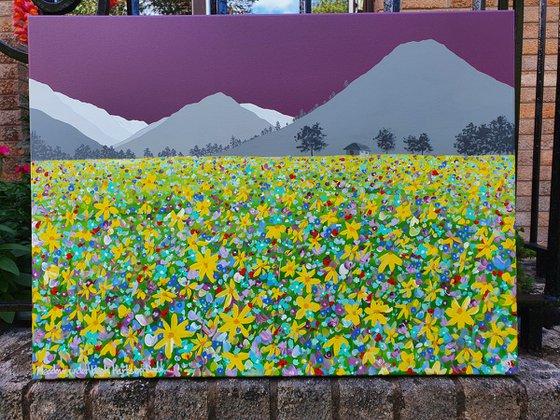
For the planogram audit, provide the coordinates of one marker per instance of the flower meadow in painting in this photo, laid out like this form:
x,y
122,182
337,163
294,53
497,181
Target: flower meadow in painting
x,y
234,266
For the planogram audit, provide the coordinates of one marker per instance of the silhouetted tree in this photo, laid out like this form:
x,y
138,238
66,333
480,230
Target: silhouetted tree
x,y
311,139
494,138
277,127
418,144
148,153
385,140
502,136
195,151
234,141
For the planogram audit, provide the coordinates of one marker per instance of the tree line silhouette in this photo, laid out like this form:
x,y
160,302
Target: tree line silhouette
x,y
496,137
43,151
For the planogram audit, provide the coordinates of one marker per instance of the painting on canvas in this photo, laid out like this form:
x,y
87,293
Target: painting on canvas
x,y
273,195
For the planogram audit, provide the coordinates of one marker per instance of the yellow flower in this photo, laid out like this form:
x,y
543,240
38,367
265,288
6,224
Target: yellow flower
x,y
289,268
51,238
461,314
436,369
274,232
330,218
236,360
353,313
306,277
331,274
161,297
51,273
173,335
110,347
240,259
176,219
351,231
206,265
131,339
105,209
94,322
229,293
369,355
53,331
376,312
390,260
496,335
236,321
305,305
261,267
201,342
337,342
297,330
407,361
486,247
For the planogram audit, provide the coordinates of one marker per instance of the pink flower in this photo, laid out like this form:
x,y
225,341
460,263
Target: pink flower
x,y
24,169
4,150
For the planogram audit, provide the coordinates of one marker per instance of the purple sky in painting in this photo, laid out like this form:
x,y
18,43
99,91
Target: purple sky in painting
x,y
149,67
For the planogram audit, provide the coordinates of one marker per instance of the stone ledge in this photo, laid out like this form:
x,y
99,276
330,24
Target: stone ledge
x,y
532,394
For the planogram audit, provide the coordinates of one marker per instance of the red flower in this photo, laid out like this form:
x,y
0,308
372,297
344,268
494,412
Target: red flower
x,y
23,8
24,169
4,150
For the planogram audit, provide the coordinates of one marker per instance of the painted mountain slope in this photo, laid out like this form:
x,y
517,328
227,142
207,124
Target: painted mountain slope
x,y
215,119
57,133
419,87
270,115
90,120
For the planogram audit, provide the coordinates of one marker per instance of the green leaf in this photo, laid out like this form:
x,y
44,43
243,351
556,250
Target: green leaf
x,y
17,250
15,247
4,287
4,228
7,264
7,316
24,279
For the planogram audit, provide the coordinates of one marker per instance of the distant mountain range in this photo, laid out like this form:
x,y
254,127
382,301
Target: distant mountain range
x,y
215,119
90,120
420,87
66,122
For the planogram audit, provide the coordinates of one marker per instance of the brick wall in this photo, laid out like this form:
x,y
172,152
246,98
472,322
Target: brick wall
x,y
527,113
13,90
13,93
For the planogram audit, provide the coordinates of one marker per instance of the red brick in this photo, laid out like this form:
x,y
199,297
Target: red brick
x,y
523,188
528,94
525,142
8,102
6,8
4,59
529,63
523,204
8,71
544,187
9,134
525,157
549,94
9,118
461,3
8,87
531,46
